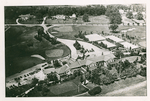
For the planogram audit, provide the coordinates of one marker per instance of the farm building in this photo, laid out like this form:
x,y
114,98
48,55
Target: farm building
x,y
128,45
115,39
109,45
94,37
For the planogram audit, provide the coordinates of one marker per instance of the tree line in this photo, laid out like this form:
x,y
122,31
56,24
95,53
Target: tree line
x,y
12,12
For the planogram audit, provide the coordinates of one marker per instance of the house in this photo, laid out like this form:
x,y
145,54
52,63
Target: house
x,y
26,17
59,17
102,60
129,45
73,16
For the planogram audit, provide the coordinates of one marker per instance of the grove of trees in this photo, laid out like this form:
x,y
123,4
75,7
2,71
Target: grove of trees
x,y
129,15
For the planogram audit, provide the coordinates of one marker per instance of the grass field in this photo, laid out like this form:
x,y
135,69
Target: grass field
x,y
10,21
68,32
32,21
139,31
54,53
121,84
99,19
68,88
20,44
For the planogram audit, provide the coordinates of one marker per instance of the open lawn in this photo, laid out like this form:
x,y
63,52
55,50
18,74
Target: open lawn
x,y
68,88
139,32
20,44
10,21
68,32
139,89
31,21
99,19
54,53
127,20
121,84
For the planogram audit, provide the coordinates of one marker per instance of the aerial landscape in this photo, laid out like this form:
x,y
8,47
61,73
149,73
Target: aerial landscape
x,y
75,50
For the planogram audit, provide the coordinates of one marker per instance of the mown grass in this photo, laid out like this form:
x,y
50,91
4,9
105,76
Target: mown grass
x,y
20,44
66,32
121,84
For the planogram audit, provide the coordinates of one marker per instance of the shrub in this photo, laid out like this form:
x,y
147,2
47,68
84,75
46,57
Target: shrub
x,y
95,91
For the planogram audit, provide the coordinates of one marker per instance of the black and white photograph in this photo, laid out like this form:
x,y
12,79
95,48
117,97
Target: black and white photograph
x,y
91,50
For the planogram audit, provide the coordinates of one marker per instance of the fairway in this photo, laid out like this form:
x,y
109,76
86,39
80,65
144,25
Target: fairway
x,y
68,32
54,53
64,29
99,19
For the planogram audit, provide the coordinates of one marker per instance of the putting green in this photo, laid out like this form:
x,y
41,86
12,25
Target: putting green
x,y
54,53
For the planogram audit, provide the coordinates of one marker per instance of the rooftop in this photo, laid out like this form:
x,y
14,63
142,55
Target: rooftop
x,y
94,37
116,39
128,45
109,45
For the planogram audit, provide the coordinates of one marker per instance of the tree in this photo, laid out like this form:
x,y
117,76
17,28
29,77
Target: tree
x,y
113,27
85,18
129,15
139,16
95,91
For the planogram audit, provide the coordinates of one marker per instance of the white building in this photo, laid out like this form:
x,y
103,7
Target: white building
x,y
94,37
115,39
128,45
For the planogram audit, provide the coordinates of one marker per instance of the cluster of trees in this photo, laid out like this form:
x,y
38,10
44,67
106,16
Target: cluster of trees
x,y
129,15
12,12
113,27
127,69
77,45
113,14
85,18
18,90
95,91
41,34
57,63
137,7
102,76
82,36
114,17
138,16
53,77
